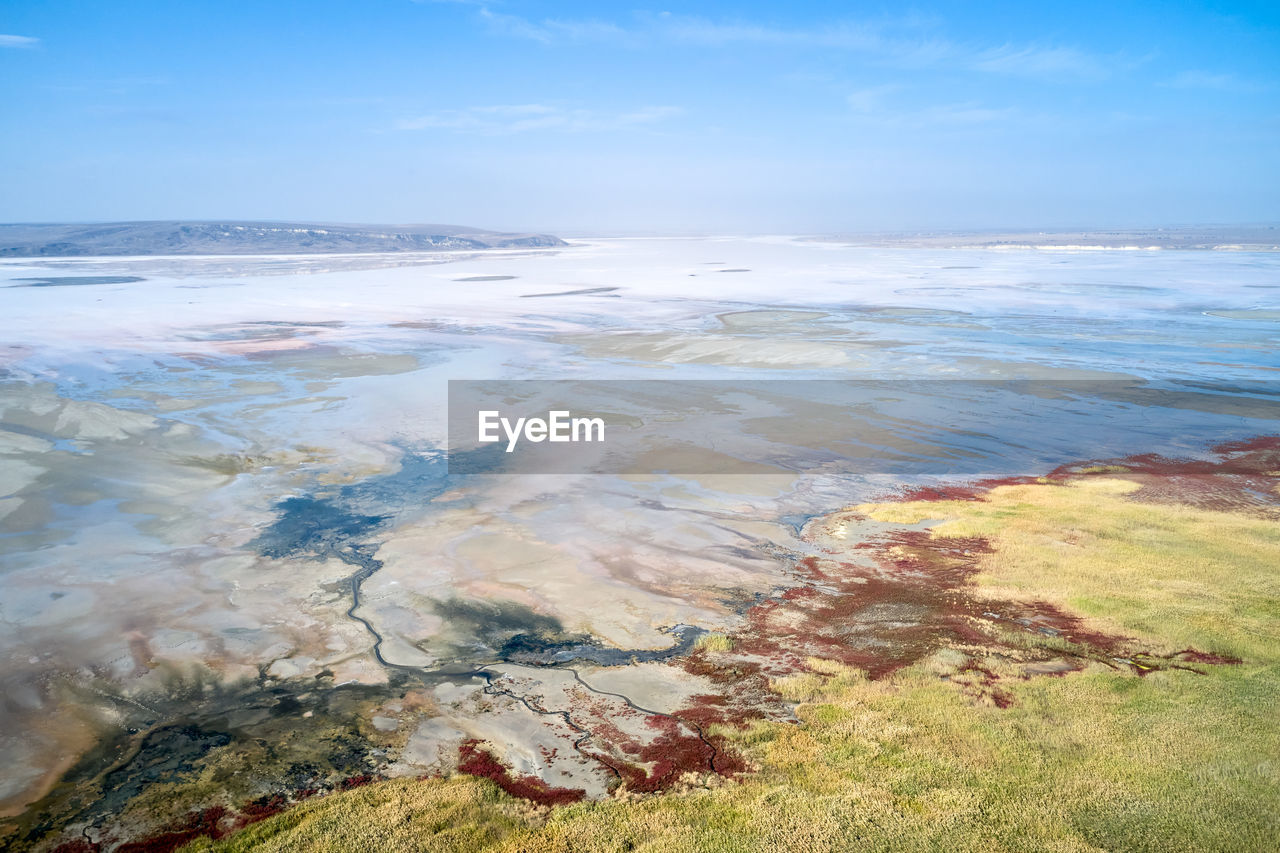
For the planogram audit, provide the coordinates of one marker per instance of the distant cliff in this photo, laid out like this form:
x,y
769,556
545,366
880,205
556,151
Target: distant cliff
x,y
249,238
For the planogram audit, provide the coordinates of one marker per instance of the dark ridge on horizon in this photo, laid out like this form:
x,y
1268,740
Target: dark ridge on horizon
x,y
232,237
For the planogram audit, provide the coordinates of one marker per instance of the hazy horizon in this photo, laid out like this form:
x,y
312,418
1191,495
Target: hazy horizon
x,y
689,119
707,233
642,232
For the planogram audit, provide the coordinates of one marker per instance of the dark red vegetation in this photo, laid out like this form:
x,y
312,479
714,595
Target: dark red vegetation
x,y
1193,656
211,822
77,845
959,492
474,760
1262,442
262,808
681,746
204,822
214,822
909,596
1243,477
668,756
355,782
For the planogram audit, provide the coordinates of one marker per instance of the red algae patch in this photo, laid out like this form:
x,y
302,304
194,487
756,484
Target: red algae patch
x,y
662,761
213,822
207,822
1244,476
912,600
1262,442
475,760
909,596
959,492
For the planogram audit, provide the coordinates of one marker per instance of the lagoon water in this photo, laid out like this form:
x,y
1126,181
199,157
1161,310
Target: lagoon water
x,y
229,470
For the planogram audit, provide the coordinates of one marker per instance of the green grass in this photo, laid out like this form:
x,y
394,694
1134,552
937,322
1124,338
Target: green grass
x,y
1094,760
715,643
1172,575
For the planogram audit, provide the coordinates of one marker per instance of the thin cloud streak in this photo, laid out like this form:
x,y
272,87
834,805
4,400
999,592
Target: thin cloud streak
x,y
870,99
1039,61
551,30
873,40
1195,79
870,110
522,118
18,41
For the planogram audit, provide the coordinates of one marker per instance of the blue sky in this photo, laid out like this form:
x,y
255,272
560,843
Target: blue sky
x,y
708,117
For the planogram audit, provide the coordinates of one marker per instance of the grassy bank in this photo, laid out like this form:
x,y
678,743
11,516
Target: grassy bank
x,y
1100,758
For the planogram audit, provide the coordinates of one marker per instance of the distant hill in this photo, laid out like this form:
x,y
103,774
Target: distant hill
x,y
249,238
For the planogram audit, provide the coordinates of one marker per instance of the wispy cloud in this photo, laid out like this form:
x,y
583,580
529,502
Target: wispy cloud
x,y
18,41
1042,61
954,115
522,118
904,42
872,107
871,99
695,30
110,86
552,30
1195,79
136,114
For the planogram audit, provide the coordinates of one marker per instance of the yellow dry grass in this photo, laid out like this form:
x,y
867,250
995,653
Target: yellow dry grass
x,y
1172,575
1095,760
714,643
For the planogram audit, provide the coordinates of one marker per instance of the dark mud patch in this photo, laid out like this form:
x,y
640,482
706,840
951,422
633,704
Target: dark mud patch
x,y
76,280
906,311
253,333
312,527
497,624
158,787
209,822
287,324
551,649
165,755
214,822
586,291
341,524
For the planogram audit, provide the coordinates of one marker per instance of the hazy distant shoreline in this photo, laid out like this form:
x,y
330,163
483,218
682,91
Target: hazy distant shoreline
x,y
241,238
38,240
1252,238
